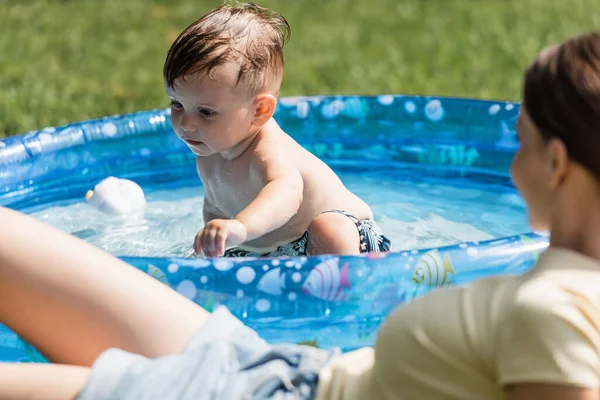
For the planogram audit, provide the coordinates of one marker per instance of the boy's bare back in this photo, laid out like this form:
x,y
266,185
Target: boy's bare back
x,y
265,194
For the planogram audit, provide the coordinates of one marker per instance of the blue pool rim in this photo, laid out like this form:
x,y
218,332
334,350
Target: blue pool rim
x,y
468,137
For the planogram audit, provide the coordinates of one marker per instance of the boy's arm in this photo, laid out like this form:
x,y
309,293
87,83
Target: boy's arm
x,y
280,196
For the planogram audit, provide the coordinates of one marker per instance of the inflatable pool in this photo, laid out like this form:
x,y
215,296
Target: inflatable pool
x,y
451,152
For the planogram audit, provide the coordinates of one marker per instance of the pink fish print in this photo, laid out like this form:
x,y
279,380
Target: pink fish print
x,y
375,256
326,281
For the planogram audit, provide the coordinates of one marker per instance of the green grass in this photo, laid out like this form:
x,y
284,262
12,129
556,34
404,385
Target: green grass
x,y
69,60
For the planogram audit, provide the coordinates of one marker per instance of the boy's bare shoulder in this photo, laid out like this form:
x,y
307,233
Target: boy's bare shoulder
x,y
277,141
273,152
269,143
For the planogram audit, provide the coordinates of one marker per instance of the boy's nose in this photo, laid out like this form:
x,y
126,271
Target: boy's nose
x,y
188,124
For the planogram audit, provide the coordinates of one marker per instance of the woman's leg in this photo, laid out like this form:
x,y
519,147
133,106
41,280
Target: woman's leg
x,y
72,301
41,381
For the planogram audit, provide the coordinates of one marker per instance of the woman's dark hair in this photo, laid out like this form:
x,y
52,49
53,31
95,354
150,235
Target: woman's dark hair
x,y
562,97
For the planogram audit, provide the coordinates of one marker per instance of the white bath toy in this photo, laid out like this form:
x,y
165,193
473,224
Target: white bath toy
x,y
117,196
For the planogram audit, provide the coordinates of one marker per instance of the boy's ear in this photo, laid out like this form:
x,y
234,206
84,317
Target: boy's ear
x,y
264,108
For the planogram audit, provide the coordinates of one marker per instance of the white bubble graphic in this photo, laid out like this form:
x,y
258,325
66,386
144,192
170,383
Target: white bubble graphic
x,y
472,251
44,137
297,277
434,110
263,305
302,109
332,109
292,296
187,288
410,107
203,279
239,293
195,263
291,100
222,265
494,109
172,268
385,99
109,129
275,262
245,275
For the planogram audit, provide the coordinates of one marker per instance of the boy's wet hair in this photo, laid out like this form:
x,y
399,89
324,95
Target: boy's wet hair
x,y
561,94
242,33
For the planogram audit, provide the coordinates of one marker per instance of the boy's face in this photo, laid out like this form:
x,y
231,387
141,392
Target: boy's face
x,y
207,113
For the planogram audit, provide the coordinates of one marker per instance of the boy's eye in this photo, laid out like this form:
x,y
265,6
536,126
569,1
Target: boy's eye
x,y
206,112
176,105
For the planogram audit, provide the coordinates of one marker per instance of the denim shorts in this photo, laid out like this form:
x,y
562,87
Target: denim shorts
x,y
225,360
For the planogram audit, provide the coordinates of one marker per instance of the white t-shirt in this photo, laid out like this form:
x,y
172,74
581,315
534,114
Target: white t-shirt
x,y
467,342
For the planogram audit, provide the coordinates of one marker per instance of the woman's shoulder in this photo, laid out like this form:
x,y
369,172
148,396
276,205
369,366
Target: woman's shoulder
x,y
551,328
561,278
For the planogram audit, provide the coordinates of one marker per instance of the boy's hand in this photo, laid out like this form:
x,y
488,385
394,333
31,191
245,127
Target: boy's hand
x,y
217,234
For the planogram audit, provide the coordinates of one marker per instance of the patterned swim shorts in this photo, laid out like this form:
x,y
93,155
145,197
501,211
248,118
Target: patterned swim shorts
x,y
372,239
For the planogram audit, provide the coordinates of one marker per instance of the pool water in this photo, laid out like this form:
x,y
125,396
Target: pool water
x,y
416,207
